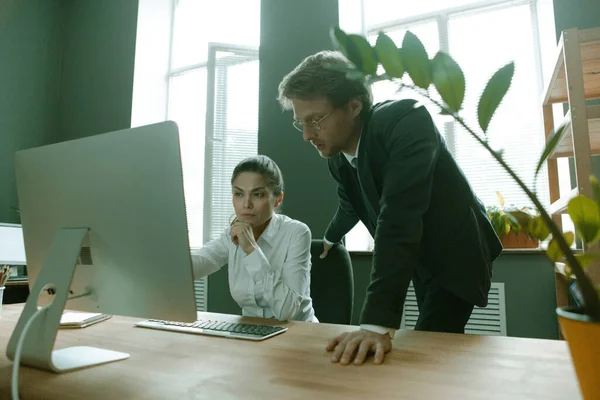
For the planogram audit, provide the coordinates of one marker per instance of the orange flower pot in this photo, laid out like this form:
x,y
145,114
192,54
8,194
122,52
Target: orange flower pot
x,y
518,241
583,336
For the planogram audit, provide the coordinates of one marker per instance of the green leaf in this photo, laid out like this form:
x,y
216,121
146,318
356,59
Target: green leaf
x,y
362,54
492,95
356,49
500,198
519,217
567,271
416,61
449,80
339,40
586,217
538,228
553,252
551,144
389,56
586,259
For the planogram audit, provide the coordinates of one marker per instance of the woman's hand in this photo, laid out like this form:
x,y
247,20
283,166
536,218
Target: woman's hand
x,y
243,236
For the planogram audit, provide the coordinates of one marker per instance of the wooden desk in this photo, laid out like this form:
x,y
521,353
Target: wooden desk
x,y
294,365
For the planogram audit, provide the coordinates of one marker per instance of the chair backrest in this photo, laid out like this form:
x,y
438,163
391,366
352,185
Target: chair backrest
x,y
332,284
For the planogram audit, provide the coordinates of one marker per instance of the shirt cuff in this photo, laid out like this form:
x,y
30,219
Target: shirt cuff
x,y
328,242
382,330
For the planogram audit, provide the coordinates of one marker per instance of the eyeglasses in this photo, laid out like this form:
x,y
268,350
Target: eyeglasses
x,y
316,125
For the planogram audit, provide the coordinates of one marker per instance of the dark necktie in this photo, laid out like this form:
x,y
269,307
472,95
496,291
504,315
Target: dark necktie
x,y
366,202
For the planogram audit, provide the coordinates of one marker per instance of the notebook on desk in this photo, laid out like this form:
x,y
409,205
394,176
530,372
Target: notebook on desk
x,y
72,320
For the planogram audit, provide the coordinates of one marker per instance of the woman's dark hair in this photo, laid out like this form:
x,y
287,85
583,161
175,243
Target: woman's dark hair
x,y
263,166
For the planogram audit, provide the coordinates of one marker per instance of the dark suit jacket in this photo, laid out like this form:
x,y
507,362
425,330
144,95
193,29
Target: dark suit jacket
x,y
423,212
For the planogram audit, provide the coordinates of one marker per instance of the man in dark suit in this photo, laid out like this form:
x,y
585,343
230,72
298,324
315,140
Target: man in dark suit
x,y
395,174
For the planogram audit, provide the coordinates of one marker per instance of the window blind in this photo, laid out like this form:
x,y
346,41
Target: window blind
x,y
232,130
516,127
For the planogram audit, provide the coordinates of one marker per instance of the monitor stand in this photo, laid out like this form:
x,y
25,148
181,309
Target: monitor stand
x,y
38,344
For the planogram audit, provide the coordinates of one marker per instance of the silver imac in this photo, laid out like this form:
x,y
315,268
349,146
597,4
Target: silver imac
x,y
105,229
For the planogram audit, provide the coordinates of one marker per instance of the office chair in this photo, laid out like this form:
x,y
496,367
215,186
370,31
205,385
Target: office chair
x,y
332,284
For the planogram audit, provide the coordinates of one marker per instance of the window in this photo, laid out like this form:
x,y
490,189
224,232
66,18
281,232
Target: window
x,y
476,34
213,97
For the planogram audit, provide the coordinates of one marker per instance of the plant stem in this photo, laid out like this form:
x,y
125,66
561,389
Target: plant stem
x,y
591,305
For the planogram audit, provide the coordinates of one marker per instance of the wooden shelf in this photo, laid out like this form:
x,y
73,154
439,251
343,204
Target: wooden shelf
x,y
565,147
560,205
16,283
589,44
574,79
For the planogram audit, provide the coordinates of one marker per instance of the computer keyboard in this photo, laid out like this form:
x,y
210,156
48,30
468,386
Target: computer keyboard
x,y
216,328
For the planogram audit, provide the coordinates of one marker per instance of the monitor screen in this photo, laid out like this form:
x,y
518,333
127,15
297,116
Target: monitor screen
x,y
12,248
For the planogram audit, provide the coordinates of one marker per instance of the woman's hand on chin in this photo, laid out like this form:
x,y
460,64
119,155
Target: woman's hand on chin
x,y
242,235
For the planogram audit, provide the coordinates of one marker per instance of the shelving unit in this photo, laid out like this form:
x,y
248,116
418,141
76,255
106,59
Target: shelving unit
x,y
574,80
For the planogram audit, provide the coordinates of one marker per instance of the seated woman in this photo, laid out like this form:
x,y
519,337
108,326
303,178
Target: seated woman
x,y
268,254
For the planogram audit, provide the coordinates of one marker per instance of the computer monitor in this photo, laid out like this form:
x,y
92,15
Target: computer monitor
x,y
12,248
104,222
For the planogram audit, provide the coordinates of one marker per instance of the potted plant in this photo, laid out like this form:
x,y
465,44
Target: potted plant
x,y
511,233
580,325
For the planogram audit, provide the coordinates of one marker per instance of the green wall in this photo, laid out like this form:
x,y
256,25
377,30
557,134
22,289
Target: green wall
x,y
580,14
97,66
30,49
66,71
290,31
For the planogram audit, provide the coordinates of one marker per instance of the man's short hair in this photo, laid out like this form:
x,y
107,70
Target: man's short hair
x,y
314,77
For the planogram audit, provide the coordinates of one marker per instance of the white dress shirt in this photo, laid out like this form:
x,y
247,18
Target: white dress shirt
x,y
353,160
271,282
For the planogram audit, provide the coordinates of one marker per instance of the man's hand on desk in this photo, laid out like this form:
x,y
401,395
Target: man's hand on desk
x,y
358,345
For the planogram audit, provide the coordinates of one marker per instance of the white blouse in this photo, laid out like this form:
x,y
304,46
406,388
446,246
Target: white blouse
x,y
271,282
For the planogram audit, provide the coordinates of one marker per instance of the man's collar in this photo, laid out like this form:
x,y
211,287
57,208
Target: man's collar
x,y
350,157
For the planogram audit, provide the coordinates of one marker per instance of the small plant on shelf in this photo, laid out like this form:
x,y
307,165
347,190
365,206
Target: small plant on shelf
x,y
506,223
